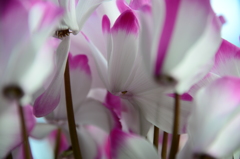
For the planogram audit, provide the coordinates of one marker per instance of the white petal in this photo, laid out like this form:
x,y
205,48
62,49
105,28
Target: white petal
x,y
48,101
69,18
130,146
84,9
94,113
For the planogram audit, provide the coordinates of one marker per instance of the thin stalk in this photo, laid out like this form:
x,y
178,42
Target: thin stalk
x,y
9,156
70,115
164,145
26,146
156,137
175,136
57,143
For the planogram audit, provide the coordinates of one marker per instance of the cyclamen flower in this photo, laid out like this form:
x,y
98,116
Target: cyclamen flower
x,y
123,74
87,111
178,40
26,54
74,18
214,121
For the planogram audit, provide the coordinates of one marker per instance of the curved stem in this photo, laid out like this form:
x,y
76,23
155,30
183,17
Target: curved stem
x,y
70,115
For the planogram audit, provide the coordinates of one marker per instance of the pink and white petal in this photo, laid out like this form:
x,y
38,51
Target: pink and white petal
x,y
130,146
80,76
84,9
10,134
18,152
178,36
49,100
100,62
92,112
124,51
70,17
88,146
221,100
206,33
158,105
226,60
42,130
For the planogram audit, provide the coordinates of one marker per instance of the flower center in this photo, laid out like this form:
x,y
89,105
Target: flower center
x,y
13,92
124,92
62,33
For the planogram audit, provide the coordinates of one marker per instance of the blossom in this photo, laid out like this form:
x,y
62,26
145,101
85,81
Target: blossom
x,y
178,41
214,120
87,111
26,54
124,75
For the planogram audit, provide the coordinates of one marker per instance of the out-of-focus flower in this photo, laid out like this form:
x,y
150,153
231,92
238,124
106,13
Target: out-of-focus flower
x,y
214,121
10,134
124,75
87,111
178,40
26,54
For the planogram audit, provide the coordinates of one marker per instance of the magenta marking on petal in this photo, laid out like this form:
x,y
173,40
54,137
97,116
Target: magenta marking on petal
x,y
184,97
105,24
85,36
118,138
114,102
146,9
226,50
43,106
137,4
172,7
222,19
79,62
122,5
99,153
128,22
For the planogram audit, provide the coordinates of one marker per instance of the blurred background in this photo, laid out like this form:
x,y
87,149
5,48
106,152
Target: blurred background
x,y
229,9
